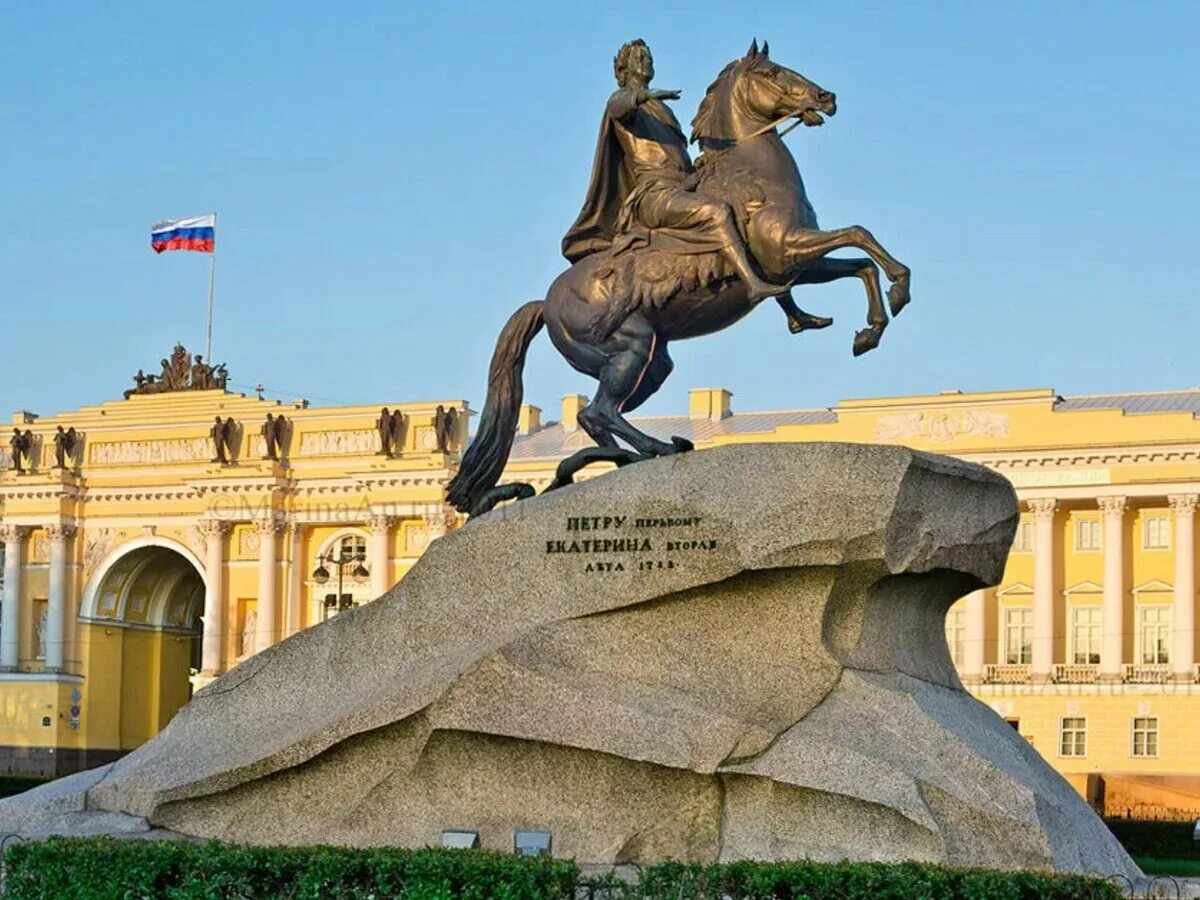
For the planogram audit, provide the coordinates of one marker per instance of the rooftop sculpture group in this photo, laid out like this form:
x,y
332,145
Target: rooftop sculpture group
x,y
181,372
665,249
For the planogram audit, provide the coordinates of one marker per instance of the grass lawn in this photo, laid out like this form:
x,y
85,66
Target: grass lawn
x,y
1158,865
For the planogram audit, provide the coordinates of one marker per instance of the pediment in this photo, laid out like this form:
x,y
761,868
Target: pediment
x,y
1154,586
1019,588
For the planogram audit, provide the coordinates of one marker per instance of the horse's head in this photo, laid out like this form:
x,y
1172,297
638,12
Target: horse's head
x,y
753,92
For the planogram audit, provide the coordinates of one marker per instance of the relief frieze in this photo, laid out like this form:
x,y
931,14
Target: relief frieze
x,y
173,450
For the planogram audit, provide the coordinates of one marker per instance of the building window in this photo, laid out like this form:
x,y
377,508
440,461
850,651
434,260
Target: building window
x,y
956,634
1018,636
1145,736
1154,633
1023,542
352,546
1087,535
1072,736
1086,634
1156,533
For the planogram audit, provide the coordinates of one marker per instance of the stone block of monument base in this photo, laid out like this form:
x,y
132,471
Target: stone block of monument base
x,y
729,654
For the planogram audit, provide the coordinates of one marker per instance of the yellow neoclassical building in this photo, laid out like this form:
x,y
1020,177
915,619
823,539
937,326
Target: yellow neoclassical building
x,y
143,567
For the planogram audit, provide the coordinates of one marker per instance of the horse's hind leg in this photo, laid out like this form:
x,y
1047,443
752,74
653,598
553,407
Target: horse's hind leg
x,y
655,373
630,351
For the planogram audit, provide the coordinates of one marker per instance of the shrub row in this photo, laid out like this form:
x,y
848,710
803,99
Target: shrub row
x,y
803,880
104,868
1164,839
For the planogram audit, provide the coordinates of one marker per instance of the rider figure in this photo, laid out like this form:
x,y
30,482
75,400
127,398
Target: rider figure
x,y
643,182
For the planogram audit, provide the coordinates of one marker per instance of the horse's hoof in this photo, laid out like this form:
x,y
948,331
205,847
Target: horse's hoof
x,y
867,339
682,445
898,296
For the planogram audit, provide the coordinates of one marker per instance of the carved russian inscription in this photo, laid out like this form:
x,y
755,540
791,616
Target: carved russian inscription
x,y
623,543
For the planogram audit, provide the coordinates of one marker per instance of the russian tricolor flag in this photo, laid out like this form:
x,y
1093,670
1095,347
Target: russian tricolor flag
x,y
197,233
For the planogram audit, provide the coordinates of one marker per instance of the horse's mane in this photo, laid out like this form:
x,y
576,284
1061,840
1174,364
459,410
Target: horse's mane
x,y
703,120
702,124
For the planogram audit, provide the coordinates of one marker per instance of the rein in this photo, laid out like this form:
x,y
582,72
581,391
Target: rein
x,y
733,142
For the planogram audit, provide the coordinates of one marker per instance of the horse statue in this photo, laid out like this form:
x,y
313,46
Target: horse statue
x,y
613,313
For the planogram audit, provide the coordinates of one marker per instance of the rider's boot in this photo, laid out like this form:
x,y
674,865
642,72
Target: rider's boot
x,y
757,288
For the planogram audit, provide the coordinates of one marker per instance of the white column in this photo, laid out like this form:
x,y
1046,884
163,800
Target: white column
x,y
1183,609
973,639
379,554
295,577
1043,588
56,617
1113,620
10,619
213,641
268,605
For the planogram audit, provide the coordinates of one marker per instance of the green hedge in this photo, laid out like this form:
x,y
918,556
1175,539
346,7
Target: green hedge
x,y
1165,839
104,868
804,880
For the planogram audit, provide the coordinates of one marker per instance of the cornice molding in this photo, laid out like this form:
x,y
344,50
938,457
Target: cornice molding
x,y
1086,456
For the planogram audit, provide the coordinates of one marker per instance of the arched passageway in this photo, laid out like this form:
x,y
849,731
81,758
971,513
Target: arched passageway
x,y
144,612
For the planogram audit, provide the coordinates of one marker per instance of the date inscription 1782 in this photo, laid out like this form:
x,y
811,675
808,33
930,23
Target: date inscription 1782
x,y
604,544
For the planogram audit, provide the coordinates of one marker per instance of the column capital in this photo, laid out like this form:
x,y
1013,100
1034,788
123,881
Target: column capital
x,y
213,527
269,525
440,518
13,533
380,523
1183,504
1043,507
60,531
1112,506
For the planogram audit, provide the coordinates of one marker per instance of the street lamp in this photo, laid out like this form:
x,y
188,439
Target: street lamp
x,y
344,558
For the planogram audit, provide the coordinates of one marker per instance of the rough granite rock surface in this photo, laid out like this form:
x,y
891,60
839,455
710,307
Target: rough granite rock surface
x,y
752,666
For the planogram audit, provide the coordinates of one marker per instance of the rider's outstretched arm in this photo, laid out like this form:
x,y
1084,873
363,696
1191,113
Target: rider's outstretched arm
x,y
624,102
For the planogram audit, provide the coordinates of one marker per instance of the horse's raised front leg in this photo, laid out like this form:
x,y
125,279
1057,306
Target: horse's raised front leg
x,y
804,246
824,270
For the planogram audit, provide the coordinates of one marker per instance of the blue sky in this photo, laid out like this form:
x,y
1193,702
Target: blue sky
x,y
392,181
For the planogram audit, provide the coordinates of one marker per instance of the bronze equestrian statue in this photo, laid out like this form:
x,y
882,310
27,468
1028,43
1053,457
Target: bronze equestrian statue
x,y
655,257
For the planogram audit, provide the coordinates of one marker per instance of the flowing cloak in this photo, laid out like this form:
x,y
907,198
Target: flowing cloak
x,y
601,224
610,184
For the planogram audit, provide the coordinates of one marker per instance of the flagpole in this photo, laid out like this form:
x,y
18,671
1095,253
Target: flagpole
x,y
212,275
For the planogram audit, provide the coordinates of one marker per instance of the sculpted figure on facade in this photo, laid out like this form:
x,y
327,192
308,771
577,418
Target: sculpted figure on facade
x,y
273,431
666,250
21,447
176,369
201,374
224,440
397,427
445,428
384,426
64,446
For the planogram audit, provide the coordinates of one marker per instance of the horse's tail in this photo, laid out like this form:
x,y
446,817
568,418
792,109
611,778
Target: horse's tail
x,y
485,459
